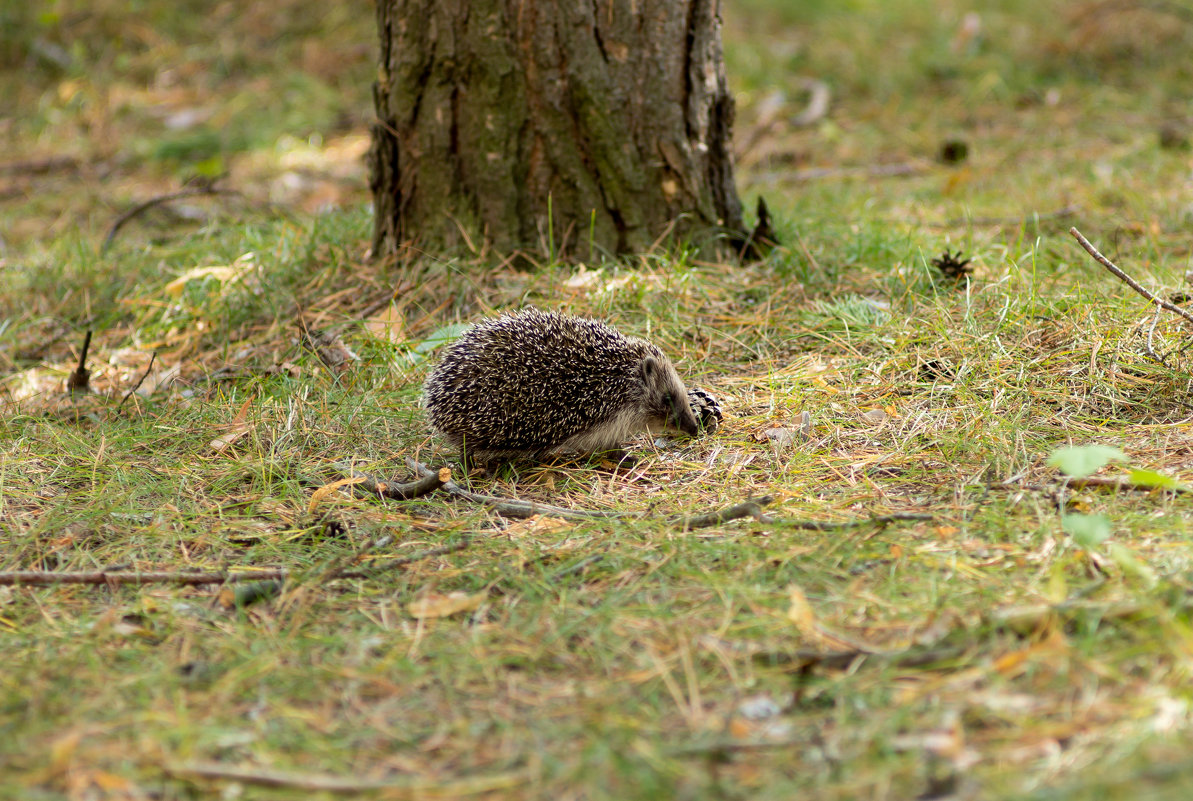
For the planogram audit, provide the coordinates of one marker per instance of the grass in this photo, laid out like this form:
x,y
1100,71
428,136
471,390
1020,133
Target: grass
x,y
625,659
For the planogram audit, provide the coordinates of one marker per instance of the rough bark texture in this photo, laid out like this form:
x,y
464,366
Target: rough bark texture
x,y
540,124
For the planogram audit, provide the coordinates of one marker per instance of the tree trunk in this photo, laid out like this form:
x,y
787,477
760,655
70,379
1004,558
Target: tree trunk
x,y
551,127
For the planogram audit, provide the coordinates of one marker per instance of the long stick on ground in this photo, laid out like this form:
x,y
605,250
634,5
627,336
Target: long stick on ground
x,y
157,201
350,785
431,480
1128,280
512,507
45,578
751,507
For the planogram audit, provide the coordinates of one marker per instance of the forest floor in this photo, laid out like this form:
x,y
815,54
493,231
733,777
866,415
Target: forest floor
x,y
973,580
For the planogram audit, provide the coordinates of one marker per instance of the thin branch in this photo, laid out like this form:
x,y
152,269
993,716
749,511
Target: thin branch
x,y
430,481
1151,335
801,659
817,173
725,747
159,200
139,383
79,379
752,507
39,166
877,520
1128,280
512,507
327,783
46,578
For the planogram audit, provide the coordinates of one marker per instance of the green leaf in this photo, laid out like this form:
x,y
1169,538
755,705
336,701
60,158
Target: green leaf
x,y
440,335
437,337
1083,460
1150,478
212,167
1086,530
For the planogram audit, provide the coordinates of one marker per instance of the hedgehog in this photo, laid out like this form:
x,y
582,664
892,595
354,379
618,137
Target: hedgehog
x,y
534,383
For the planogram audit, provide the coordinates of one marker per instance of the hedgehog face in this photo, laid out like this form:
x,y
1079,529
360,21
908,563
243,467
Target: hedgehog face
x,y
666,399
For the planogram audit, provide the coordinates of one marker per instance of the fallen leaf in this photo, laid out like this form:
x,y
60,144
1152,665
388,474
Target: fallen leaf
x,y
781,435
537,524
226,275
434,605
318,495
389,325
236,429
801,614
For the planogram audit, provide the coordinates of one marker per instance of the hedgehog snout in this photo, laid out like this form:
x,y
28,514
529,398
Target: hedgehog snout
x,y
681,416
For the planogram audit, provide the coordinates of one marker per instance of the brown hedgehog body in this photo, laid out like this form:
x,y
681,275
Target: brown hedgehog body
x,y
534,383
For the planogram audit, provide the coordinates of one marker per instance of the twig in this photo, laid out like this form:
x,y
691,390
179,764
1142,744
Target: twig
x,y
802,658
752,507
326,783
45,578
139,383
159,200
725,747
1128,280
79,379
878,520
816,173
38,166
512,507
1151,334
430,481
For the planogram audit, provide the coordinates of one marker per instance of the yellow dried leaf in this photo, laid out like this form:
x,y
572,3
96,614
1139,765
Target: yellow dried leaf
x,y
389,325
436,605
225,274
1008,664
318,495
228,438
536,525
62,750
236,429
110,781
800,612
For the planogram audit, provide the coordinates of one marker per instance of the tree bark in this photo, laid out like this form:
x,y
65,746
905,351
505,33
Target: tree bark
x,y
551,127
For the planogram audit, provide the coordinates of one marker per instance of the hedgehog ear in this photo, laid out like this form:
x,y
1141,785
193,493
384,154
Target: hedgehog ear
x,y
650,368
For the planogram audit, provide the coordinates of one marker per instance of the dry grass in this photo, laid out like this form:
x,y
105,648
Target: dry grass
x,y
982,652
